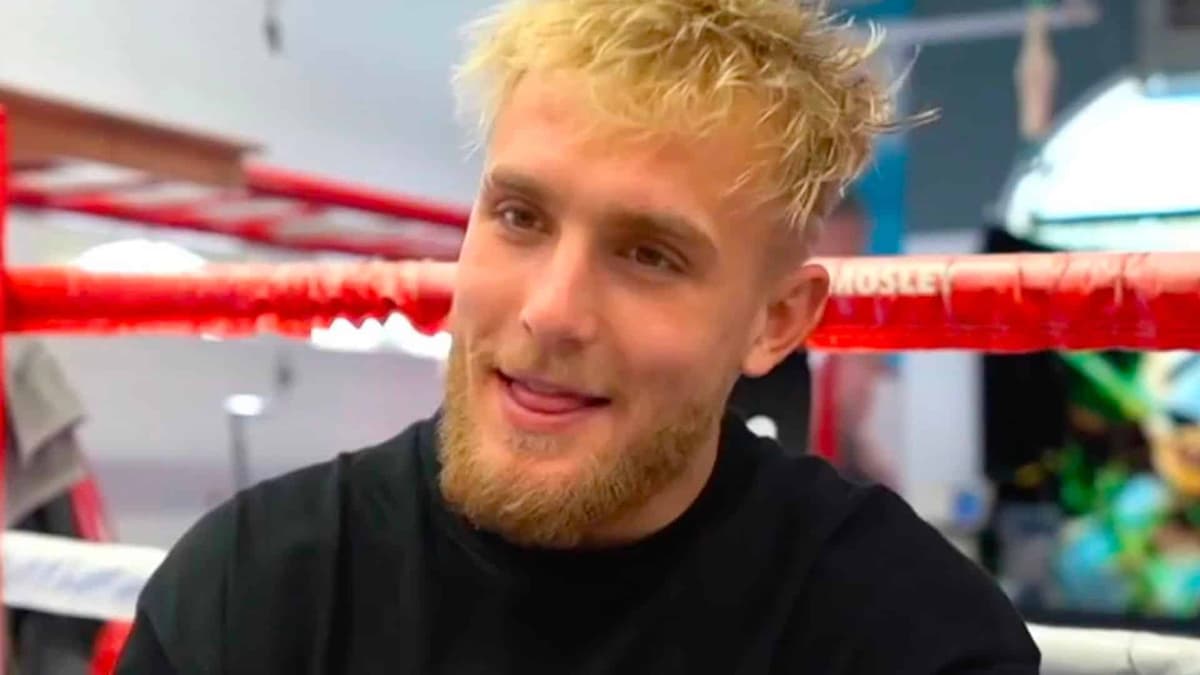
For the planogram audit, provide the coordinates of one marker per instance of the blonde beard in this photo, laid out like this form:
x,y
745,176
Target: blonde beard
x,y
558,511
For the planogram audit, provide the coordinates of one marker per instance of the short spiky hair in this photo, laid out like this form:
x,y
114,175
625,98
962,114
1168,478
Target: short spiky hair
x,y
666,65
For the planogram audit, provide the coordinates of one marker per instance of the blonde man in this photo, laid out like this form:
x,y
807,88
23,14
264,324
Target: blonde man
x,y
654,173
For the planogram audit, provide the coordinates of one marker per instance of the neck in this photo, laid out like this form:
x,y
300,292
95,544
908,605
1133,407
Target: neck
x,y
665,507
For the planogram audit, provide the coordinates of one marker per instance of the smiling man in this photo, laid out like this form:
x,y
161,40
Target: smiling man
x,y
655,171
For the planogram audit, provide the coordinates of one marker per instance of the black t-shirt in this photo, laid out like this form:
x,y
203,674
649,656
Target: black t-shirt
x,y
780,566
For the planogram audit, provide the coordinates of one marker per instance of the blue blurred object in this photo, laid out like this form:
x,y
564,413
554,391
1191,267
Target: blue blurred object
x,y
1141,505
1175,585
1183,399
1088,570
875,9
970,508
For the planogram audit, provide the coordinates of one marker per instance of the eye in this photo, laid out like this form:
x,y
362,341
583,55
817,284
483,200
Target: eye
x,y
654,258
517,218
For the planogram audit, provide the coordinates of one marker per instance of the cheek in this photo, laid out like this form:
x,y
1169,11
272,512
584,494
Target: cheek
x,y
693,344
676,360
481,291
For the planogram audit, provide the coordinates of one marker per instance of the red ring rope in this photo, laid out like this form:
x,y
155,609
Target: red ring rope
x,y
227,300
1001,303
3,362
1014,302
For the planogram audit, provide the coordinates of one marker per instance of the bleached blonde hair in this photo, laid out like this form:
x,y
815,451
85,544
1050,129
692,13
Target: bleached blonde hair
x,y
693,65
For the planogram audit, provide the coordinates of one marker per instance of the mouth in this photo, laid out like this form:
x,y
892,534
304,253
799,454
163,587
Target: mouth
x,y
540,405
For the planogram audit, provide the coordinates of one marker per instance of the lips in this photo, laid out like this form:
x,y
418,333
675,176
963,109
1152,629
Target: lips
x,y
546,398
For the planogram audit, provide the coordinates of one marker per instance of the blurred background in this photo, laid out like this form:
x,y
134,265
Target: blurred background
x,y
1071,125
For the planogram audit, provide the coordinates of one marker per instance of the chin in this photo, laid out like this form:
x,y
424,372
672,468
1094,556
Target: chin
x,y
513,448
565,470
532,489
549,479
561,453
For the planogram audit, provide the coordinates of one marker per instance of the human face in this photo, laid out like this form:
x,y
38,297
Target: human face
x,y
608,293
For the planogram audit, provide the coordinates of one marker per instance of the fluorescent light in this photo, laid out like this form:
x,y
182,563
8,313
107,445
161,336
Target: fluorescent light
x,y
139,256
1132,236
245,405
405,338
396,334
343,336
1124,155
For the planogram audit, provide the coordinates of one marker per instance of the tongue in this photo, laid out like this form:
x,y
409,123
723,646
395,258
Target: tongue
x,y
547,403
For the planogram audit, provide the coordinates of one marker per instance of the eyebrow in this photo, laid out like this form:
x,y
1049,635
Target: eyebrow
x,y
522,184
665,225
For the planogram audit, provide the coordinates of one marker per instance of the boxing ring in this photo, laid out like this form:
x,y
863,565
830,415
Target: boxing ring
x,y
999,303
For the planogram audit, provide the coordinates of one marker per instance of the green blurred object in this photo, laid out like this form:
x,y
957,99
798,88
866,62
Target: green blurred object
x,y
1116,391
1111,557
1174,583
1076,486
1191,514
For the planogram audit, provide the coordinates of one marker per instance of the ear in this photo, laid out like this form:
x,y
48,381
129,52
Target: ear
x,y
793,312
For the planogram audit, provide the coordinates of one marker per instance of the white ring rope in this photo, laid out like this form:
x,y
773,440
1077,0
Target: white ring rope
x,y
1086,651
71,577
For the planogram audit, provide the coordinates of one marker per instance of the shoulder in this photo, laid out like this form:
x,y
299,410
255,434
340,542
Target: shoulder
x,y
281,534
302,509
308,507
901,598
813,499
876,588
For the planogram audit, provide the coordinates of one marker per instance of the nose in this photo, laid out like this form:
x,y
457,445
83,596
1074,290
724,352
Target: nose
x,y
559,308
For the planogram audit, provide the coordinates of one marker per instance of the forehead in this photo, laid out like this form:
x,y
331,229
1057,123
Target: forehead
x,y
548,127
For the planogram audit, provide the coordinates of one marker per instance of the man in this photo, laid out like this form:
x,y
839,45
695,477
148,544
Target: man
x,y
653,172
